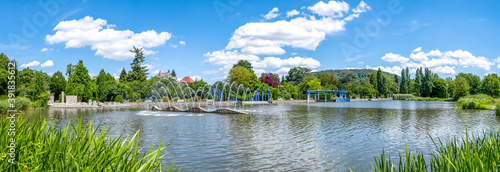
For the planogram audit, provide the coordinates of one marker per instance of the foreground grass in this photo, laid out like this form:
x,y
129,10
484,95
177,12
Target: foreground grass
x,y
39,147
470,153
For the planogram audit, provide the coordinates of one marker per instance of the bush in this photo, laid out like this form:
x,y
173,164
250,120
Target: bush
x,y
475,102
402,96
467,103
21,103
118,98
41,103
76,147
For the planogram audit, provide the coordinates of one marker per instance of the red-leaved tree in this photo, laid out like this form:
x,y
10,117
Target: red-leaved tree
x,y
270,79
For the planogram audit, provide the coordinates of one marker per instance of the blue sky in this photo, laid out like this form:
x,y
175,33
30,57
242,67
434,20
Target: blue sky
x,y
204,38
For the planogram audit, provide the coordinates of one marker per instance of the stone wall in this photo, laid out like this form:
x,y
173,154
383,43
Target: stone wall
x,y
71,99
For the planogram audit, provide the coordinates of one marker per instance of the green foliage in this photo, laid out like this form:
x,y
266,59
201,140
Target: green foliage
x,y
139,72
402,96
288,91
296,75
427,83
361,74
470,153
173,74
243,63
460,87
197,84
475,102
347,76
118,99
491,85
39,85
123,76
474,82
440,88
419,82
79,83
74,148
424,99
314,84
57,84
241,75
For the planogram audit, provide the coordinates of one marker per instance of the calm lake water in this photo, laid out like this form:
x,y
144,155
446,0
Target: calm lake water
x,y
288,137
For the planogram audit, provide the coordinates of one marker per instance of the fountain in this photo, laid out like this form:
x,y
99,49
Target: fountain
x,y
170,96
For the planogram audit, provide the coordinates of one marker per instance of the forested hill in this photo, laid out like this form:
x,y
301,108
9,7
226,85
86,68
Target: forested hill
x,y
361,73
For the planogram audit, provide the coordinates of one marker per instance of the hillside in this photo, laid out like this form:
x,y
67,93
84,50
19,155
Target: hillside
x,y
361,73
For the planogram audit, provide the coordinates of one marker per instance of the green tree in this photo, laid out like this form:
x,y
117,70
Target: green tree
x,y
245,64
347,76
407,81
474,82
419,78
491,85
4,73
440,88
428,82
101,81
296,75
123,76
70,69
25,81
197,84
314,84
403,89
138,72
460,87
40,88
79,83
380,83
173,74
57,84
241,75
325,79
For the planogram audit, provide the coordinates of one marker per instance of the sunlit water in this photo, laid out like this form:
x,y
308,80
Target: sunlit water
x,y
288,137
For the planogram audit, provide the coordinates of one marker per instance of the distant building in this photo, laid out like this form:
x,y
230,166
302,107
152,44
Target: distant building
x,y
164,75
186,80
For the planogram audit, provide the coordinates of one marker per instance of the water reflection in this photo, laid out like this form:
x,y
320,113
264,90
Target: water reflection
x,y
287,137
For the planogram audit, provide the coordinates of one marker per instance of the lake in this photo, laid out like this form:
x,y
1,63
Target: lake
x,y
287,137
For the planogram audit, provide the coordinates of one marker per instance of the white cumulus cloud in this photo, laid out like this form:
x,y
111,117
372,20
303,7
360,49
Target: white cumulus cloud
x,y
389,57
30,64
417,49
331,9
48,63
182,42
104,39
361,8
292,13
272,14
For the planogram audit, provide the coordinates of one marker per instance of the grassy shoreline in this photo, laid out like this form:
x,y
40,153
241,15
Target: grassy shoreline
x,y
469,153
76,147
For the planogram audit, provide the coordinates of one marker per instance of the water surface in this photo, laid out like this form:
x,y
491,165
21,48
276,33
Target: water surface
x,y
288,137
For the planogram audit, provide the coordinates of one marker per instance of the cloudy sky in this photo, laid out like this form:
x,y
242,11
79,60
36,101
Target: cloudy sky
x,y
204,38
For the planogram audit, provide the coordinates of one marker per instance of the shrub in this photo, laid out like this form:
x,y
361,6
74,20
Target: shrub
x,y
402,96
41,103
475,102
23,103
118,98
74,148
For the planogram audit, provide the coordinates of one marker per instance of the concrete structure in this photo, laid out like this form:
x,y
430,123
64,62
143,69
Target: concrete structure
x,y
342,95
62,97
199,110
71,99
